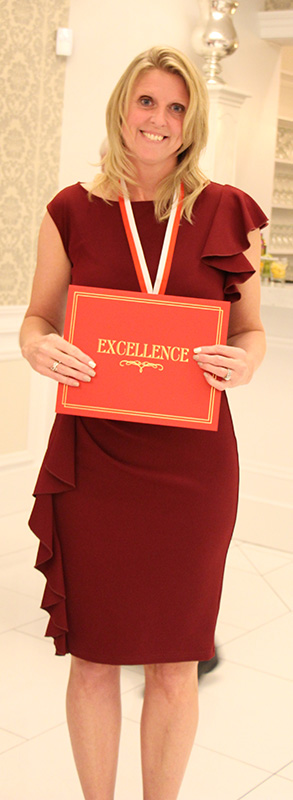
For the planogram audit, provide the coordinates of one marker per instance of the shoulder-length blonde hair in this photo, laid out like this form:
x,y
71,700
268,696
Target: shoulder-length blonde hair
x,y
116,164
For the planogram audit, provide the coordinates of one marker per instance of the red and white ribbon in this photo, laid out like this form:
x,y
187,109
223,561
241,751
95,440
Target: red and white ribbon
x,y
135,246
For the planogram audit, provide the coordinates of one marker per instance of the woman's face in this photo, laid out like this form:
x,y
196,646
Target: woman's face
x,y
157,107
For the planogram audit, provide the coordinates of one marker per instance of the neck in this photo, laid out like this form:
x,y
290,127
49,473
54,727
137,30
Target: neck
x,y
148,178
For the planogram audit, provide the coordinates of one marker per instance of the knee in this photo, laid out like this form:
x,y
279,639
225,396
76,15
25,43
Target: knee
x,y
91,675
173,679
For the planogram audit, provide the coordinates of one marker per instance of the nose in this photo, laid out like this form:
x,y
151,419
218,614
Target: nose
x,y
158,116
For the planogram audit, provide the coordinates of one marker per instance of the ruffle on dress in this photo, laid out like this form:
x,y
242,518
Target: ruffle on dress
x,y
225,251
57,474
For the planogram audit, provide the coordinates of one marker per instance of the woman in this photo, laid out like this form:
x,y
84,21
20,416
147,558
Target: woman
x,y
134,519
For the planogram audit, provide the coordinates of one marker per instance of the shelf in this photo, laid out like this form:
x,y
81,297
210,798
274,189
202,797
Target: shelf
x,y
284,161
282,208
276,26
286,121
281,252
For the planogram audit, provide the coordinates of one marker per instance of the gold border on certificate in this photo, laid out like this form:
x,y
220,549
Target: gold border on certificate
x,y
131,412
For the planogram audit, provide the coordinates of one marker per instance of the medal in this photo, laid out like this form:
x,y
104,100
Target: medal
x,y
135,246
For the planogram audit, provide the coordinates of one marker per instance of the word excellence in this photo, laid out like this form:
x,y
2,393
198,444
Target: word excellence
x,y
138,350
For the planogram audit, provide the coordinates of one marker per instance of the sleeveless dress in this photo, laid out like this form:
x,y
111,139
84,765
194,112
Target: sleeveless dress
x,y
135,520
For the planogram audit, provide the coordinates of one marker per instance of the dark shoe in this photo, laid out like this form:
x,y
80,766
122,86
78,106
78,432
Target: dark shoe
x,y
208,666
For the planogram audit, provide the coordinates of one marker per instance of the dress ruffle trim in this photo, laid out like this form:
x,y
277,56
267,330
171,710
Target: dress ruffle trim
x,y
57,474
225,251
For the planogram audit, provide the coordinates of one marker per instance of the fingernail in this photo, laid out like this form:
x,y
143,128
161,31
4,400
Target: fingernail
x,y
92,363
197,349
87,378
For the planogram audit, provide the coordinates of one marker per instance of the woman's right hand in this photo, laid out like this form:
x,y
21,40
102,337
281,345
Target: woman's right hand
x,y
71,365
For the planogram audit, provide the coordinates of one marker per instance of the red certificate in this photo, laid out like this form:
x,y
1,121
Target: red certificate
x,y
143,347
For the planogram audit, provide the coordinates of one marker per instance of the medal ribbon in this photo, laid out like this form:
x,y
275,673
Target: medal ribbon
x,y
135,246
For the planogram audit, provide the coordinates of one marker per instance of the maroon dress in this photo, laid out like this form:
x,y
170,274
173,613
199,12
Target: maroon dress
x,y
135,520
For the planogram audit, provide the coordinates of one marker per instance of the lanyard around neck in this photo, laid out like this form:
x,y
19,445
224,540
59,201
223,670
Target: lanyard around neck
x,y
135,246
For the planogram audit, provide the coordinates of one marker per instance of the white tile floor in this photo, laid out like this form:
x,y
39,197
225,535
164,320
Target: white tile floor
x,y
244,744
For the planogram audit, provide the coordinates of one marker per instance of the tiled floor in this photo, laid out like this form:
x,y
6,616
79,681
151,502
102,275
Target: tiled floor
x,y
244,745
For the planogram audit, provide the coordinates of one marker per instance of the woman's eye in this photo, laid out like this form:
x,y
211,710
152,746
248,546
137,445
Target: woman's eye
x,y
178,108
145,101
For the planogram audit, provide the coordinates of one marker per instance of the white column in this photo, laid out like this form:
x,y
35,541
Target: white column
x,y
219,159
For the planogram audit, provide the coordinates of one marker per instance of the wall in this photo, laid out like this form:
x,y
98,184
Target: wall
x,y
32,99
32,83
101,53
255,69
262,414
106,37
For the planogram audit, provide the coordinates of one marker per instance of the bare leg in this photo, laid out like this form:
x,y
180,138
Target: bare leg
x,y
94,720
168,726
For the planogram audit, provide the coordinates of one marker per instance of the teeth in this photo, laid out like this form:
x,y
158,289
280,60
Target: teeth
x,y
154,137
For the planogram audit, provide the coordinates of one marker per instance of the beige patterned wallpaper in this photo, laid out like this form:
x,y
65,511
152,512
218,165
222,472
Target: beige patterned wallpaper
x,y
31,92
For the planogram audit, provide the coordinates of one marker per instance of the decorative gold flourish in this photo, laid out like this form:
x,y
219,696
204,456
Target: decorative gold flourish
x,y
140,364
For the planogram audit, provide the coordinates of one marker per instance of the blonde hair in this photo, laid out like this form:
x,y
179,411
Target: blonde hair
x,y
116,164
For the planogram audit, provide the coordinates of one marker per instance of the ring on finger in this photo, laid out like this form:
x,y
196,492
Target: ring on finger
x,y
228,375
55,365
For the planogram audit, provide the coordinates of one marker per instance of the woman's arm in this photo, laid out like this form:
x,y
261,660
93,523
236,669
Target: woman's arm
x,y
41,338
246,346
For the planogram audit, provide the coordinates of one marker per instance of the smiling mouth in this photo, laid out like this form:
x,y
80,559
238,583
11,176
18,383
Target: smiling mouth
x,y
153,137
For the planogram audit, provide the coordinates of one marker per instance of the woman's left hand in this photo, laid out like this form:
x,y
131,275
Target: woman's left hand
x,y
224,367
